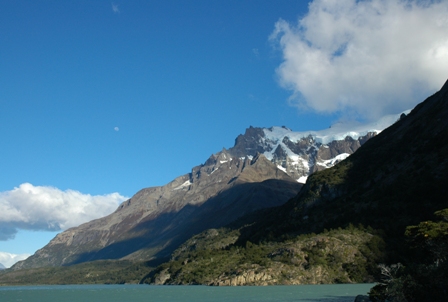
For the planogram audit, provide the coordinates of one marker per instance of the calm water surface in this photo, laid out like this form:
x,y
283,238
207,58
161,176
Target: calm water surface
x,y
107,293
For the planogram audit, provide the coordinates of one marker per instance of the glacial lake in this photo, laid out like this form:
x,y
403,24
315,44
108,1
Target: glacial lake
x,y
108,293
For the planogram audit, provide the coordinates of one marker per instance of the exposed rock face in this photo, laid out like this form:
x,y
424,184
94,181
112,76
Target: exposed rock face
x,y
156,220
298,154
162,277
247,277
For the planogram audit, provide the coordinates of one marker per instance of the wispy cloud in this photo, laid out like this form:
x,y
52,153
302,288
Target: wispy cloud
x,y
369,57
45,208
115,8
256,52
8,259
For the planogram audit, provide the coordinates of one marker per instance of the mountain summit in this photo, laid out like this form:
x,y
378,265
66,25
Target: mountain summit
x,y
299,154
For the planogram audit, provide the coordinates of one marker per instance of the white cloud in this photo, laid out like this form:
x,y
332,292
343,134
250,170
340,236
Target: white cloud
x,y
31,207
256,52
115,8
372,57
8,259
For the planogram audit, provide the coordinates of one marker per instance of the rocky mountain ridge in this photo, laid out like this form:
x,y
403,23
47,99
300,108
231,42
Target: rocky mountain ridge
x,y
299,154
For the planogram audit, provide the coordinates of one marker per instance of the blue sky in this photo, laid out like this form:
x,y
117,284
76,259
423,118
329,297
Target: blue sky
x,y
100,99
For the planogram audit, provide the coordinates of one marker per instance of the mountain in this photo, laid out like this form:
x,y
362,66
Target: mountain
x,y
156,220
2,267
342,224
264,169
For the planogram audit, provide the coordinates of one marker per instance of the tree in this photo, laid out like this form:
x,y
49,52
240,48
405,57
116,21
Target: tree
x,y
431,237
425,277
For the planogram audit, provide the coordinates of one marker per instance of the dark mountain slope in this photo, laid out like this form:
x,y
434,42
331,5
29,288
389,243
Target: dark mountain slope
x,y
398,178
395,179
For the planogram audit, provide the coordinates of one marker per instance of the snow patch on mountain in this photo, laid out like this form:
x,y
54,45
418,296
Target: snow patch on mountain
x,y
281,168
331,162
302,179
186,184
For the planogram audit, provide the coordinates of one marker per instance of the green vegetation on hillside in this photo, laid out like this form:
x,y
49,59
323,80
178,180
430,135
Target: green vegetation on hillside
x,y
424,274
335,256
97,272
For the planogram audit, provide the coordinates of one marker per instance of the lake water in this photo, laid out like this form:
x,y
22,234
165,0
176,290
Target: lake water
x,y
107,293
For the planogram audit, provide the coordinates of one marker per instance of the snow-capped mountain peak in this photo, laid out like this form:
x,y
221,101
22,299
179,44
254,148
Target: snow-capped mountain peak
x,y
301,153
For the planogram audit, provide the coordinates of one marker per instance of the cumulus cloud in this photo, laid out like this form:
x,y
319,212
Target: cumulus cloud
x,y
8,259
45,208
371,57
